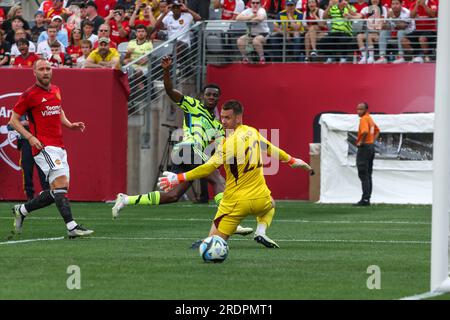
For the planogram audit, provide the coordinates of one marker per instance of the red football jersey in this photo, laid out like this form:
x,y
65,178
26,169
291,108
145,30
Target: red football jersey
x,y
115,36
43,109
359,7
228,9
27,62
421,13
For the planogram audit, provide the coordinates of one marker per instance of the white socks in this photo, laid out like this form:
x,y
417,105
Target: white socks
x,y
23,210
71,225
261,228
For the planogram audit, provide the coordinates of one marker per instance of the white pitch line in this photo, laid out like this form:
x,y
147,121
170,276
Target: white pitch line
x,y
280,240
209,220
426,295
31,240
233,239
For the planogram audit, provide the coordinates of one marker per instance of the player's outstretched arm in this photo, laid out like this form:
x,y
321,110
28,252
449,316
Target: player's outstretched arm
x,y
283,156
174,95
170,180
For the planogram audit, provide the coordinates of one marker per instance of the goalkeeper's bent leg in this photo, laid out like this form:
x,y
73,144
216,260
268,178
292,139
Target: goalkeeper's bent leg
x,y
264,221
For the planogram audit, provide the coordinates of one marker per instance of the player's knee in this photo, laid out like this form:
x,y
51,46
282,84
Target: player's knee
x,y
60,182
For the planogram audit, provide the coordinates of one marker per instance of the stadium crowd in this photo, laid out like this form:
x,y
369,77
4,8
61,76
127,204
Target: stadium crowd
x,y
104,33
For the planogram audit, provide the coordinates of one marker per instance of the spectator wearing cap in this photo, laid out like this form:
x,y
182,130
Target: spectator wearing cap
x,y
26,58
147,19
230,8
289,30
5,50
44,48
39,26
61,33
103,56
177,21
120,28
259,30
104,31
88,32
21,34
92,15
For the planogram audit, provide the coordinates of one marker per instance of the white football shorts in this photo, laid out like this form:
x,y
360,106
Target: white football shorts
x,y
53,162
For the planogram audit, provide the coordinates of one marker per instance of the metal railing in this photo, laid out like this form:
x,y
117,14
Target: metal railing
x,y
145,74
320,42
216,42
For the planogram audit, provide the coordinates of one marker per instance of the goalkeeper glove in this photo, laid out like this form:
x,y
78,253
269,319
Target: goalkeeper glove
x,y
299,163
170,180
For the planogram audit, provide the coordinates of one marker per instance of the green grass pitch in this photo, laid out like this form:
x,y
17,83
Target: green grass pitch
x,y
325,253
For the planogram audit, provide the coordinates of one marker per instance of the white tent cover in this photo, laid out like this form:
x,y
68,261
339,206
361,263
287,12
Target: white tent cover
x,y
394,181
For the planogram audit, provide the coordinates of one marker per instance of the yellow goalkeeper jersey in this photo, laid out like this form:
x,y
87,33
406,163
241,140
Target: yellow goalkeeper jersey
x,y
240,154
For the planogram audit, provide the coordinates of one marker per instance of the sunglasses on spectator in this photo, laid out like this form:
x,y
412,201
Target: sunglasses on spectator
x,y
255,2
103,30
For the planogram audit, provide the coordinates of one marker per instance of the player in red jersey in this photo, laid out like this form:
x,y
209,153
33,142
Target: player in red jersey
x,y
42,104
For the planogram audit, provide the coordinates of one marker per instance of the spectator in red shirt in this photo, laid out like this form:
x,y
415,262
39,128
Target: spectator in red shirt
x,y
315,30
104,32
74,49
26,58
105,6
149,19
230,8
420,40
2,17
120,28
360,4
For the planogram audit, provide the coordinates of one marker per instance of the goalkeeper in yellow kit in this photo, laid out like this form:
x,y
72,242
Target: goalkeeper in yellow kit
x,y
246,192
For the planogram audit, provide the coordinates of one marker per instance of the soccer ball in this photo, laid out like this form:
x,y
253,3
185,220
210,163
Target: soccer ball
x,y
213,249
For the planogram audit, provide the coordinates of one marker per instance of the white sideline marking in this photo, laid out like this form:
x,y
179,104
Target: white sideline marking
x,y
425,295
277,220
281,240
234,239
31,240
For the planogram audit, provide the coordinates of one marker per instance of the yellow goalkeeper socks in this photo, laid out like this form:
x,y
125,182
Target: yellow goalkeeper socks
x,y
151,198
266,219
218,197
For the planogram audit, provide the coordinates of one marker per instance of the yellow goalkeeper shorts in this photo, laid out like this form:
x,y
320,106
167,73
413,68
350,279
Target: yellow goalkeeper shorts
x,y
230,214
